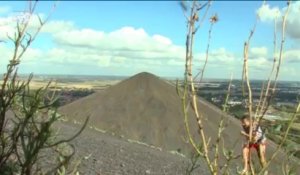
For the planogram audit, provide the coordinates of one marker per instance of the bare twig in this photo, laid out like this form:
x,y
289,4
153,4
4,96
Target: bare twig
x,y
269,97
189,86
213,20
249,90
283,139
221,127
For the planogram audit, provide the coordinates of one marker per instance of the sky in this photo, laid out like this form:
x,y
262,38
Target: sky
x,y
125,38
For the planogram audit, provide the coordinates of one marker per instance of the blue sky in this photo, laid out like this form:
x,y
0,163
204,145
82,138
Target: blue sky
x,y
124,38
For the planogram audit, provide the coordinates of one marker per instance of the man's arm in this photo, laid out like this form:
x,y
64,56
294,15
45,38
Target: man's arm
x,y
248,136
245,134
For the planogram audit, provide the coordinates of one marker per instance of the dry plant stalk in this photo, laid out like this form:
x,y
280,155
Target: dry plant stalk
x,y
213,20
294,117
221,128
29,130
189,96
265,95
246,78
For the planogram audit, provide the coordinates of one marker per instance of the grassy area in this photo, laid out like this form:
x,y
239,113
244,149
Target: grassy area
x,y
296,126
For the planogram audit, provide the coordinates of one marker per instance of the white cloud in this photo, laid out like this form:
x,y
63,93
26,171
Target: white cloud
x,y
6,53
7,27
58,26
293,22
32,54
123,47
267,14
127,42
84,37
103,61
259,59
221,55
292,56
162,39
289,72
78,56
119,59
216,57
260,63
256,52
8,24
124,39
127,49
174,62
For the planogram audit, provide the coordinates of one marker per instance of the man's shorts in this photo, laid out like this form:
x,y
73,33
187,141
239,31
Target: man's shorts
x,y
256,145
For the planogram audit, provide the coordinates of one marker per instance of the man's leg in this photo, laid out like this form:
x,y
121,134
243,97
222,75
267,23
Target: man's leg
x,y
262,154
246,158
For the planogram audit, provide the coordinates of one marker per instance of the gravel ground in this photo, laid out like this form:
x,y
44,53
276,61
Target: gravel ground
x,y
109,155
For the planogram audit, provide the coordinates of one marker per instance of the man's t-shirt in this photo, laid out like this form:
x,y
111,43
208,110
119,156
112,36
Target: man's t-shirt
x,y
256,132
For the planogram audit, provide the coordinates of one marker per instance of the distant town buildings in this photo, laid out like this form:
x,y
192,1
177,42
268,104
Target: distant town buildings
x,y
234,103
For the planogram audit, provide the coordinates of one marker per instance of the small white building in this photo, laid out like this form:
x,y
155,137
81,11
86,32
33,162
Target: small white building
x,y
274,117
234,103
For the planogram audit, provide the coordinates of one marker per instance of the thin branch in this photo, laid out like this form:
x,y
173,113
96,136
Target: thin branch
x,y
213,20
189,81
221,127
273,89
249,89
294,117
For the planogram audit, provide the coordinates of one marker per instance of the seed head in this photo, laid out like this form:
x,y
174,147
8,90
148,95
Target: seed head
x,y
214,18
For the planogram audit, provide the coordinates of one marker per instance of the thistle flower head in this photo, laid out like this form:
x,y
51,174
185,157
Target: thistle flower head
x,y
214,18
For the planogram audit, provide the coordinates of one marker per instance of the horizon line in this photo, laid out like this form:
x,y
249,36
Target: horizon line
x,y
126,76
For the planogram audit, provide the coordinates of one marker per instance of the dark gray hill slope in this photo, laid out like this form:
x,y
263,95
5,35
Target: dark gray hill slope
x,y
148,109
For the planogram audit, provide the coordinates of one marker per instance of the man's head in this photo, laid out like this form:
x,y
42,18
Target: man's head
x,y
245,120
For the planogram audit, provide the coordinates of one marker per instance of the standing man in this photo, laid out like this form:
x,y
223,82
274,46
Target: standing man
x,y
258,142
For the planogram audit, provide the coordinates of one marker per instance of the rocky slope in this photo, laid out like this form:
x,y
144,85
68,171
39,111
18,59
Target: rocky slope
x,y
148,109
